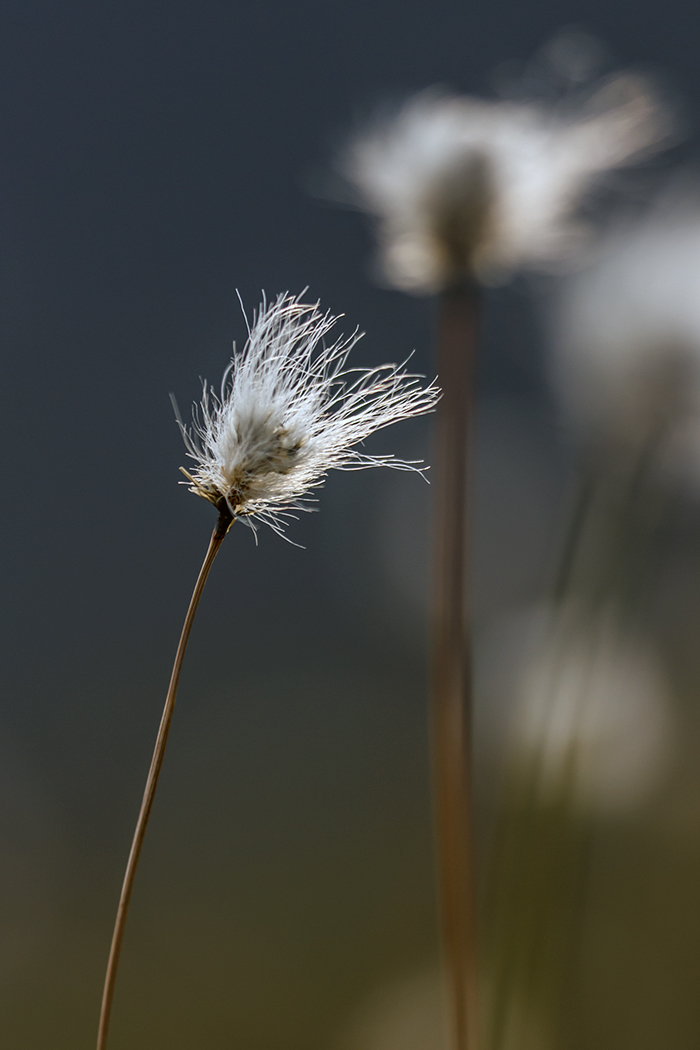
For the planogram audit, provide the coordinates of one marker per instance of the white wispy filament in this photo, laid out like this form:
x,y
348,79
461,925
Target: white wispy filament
x,y
289,410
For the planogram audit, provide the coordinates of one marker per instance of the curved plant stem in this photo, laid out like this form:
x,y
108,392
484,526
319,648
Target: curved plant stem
x,y
217,537
451,671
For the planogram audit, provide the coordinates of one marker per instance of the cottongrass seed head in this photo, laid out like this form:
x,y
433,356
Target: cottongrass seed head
x,y
289,410
625,359
474,187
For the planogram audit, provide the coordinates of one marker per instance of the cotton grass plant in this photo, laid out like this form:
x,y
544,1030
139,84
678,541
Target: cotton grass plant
x,y
465,192
479,187
594,731
289,410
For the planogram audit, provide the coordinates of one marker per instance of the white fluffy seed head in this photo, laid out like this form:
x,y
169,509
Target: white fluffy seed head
x,y
583,698
289,409
594,706
465,186
626,347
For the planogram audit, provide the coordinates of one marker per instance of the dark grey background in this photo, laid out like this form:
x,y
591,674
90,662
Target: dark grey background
x,y
154,157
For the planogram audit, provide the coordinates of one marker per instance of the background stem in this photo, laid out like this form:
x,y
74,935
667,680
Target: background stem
x,y
217,537
451,671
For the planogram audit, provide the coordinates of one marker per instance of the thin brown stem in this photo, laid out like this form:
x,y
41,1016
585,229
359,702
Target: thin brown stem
x,y
451,672
217,537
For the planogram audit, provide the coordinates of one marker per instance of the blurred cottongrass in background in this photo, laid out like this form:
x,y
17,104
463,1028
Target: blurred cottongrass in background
x,y
466,192
585,704
466,184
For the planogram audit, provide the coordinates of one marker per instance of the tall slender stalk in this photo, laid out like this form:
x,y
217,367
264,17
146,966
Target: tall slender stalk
x,y
223,523
451,670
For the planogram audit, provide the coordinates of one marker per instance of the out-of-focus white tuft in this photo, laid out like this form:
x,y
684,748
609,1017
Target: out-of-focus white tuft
x,y
593,706
407,1015
587,702
465,186
289,410
626,348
